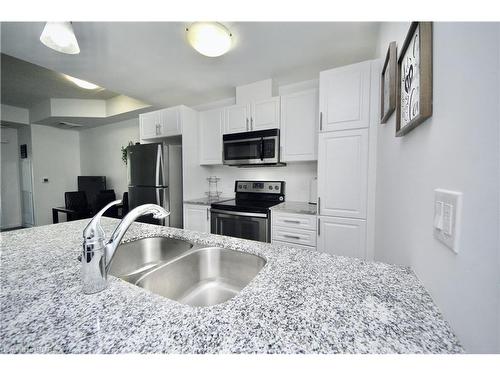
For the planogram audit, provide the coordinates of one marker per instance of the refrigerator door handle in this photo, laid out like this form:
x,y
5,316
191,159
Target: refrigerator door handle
x,y
159,166
158,199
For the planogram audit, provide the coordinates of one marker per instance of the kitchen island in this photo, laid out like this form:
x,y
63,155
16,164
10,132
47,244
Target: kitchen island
x,y
300,302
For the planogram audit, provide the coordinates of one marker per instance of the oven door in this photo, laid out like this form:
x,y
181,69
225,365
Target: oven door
x,y
250,226
261,150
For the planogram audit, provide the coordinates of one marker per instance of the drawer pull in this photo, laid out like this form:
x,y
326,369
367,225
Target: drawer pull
x,y
291,221
290,236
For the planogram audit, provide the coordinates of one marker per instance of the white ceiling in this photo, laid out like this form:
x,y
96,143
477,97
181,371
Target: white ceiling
x,y
24,84
152,61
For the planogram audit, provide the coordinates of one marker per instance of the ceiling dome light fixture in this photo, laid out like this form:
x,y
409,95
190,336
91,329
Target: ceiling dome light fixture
x,y
60,37
81,83
211,39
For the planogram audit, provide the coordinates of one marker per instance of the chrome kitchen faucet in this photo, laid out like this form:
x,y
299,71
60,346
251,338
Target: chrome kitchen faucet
x,y
98,253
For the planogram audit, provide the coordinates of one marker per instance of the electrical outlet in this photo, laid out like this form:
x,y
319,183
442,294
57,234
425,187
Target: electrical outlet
x,y
447,215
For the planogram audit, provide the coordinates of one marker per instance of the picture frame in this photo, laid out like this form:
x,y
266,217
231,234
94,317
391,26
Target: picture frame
x,y
388,84
414,83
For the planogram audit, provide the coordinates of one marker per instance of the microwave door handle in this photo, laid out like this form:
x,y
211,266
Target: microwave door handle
x,y
262,149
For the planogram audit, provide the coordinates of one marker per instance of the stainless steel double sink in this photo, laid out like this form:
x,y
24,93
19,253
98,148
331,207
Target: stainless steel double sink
x,y
190,274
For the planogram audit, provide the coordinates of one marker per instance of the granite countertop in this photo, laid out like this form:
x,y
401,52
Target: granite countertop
x,y
300,302
296,207
206,201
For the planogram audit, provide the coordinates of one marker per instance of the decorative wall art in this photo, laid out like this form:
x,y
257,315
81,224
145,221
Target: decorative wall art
x,y
388,84
414,86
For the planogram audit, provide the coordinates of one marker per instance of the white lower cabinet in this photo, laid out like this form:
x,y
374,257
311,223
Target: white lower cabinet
x,y
197,217
343,173
296,230
342,236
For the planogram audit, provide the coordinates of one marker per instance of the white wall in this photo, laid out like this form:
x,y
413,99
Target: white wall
x,y
100,149
296,175
56,155
10,193
13,114
457,149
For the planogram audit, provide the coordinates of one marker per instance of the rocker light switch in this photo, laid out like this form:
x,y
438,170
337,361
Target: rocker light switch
x,y
448,219
438,215
447,214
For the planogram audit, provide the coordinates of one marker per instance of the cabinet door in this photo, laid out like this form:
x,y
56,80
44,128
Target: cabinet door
x,y
149,124
342,173
210,126
197,217
345,97
299,126
236,118
340,236
170,122
265,114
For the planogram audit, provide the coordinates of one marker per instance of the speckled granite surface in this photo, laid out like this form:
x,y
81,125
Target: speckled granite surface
x,y
206,201
296,208
300,302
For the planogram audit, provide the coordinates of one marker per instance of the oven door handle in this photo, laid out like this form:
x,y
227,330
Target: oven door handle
x,y
237,213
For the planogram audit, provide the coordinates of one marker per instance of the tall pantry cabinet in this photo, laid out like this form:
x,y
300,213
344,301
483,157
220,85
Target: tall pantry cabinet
x,y
348,116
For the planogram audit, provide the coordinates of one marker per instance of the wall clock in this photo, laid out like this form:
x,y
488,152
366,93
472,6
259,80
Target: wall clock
x,y
414,86
388,84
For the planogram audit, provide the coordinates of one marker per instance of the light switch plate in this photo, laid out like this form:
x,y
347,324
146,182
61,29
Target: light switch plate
x,y
448,204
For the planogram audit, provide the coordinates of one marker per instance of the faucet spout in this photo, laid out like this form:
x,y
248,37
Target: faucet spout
x,y
111,246
98,253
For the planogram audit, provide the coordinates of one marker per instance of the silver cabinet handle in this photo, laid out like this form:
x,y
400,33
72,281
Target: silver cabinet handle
x,y
319,205
291,221
247,125
319,226
251,123
207,213
321,121
290,236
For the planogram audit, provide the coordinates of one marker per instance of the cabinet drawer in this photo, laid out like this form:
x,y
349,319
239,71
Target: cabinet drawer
x,y
274,242
293,235
294,221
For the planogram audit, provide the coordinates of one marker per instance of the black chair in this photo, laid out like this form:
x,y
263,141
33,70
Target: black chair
x,y
125,207
103,198
77,205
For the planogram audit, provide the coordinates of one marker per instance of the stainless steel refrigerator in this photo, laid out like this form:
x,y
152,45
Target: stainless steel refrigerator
x,y
154,172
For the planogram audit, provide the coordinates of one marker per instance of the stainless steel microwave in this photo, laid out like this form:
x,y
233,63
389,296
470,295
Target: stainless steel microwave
x,y
252,148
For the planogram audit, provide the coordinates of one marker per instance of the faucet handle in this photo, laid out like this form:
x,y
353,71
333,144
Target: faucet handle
x,y
94,228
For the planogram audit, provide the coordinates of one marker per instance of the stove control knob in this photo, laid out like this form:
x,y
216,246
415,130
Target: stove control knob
x,y
270,187
239,186
276,187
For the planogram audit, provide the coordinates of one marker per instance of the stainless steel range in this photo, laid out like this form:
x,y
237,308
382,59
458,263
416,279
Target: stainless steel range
x,y
248,215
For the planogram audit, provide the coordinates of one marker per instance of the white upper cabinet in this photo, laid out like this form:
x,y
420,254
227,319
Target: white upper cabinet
x,y
265,114
237,118
341,236
258,115
170,122
342,173
162,123
211,125
345,97
149,124
299,124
